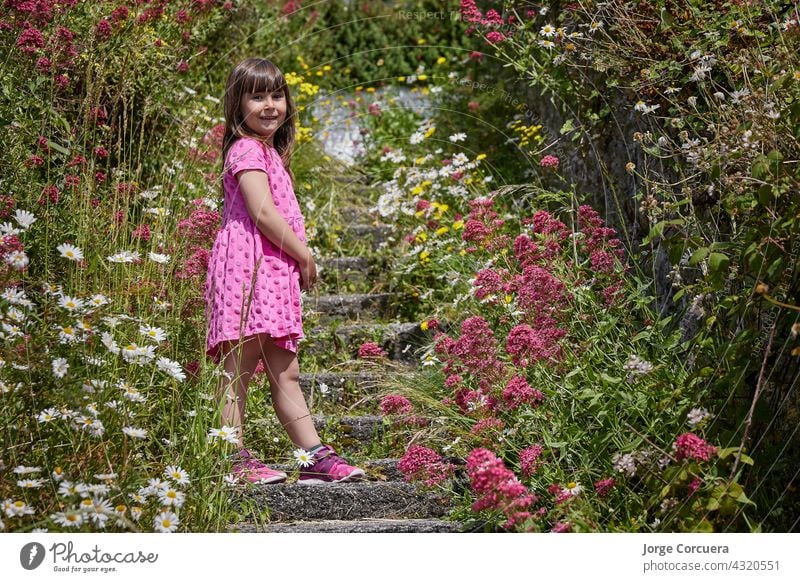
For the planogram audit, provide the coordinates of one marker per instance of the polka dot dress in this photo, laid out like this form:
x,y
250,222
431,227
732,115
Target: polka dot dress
x,y
252,286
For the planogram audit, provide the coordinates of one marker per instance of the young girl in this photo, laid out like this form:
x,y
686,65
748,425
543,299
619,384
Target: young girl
x,y
259,263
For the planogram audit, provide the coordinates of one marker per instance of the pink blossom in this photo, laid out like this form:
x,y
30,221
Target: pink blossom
x,y
195,266
142,232
477,348
527,345
200,227
529,459
371,350
497,487
470,12
541,292
694,485
395,404
602,261
423,464
492,18
30,40
495,37
690,446
488,282
562,527
603,486
549,162
517,392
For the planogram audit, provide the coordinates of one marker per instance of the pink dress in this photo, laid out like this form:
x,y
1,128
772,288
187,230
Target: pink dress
x,y
252,286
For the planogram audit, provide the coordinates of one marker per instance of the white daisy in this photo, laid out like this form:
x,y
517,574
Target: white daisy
x,y
17,259
24,218
172,368
177,474
7,229
548,30
226,433
57,474
60,367
69,251
47,415
66,334
573,488
105,476
303,458
17,508
158,257
70,303
23,470
457,137
30,483
158,211
124,257
135,433
595,25
153,333
172,497
165,522
70,518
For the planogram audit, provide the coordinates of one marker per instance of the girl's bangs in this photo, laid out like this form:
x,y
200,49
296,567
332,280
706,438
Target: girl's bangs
x,y
260,80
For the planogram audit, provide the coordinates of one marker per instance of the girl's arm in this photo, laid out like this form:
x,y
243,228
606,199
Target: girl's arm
x,y
257,195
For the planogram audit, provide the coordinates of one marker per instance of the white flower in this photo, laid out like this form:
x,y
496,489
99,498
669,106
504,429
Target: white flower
x,y
17,508
30,483
573,488
170,496
548,30
158,211
595,25
226,433
177,474
47,415
108,341
303,457
457,137
24,218
172,368
17,259
696,416
135,433
124,257
70,252
153,333
7,229
70,303
624,463
166,522
98,300
70,518
637,366
158,258
323,388
105,476
60,367
23,470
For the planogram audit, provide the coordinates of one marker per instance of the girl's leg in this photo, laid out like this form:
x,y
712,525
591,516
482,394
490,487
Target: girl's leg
x,y
240,359
287,397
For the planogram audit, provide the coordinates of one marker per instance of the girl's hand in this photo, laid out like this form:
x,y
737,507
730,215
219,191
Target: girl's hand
x,y
308,273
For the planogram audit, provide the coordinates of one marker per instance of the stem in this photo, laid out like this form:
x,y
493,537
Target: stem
x,y
749,419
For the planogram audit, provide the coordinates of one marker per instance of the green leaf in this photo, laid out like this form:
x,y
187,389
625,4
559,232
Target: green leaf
x,y
698,255
567,127
610,379
718,262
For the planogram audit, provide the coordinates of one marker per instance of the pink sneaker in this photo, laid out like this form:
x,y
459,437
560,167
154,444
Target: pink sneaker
x,y
247,468
328,467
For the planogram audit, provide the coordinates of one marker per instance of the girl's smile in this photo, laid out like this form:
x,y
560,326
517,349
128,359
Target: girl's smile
x,y
264,112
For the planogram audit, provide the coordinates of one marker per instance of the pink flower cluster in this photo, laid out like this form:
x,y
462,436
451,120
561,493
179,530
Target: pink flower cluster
x,y
482,224
549,162
395,404
425,465
200,227
371,350
690,446
529,459
497,487
603,486
517,392
539,343
195,266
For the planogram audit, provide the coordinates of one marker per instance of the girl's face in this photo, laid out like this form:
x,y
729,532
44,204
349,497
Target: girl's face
x,y
263,112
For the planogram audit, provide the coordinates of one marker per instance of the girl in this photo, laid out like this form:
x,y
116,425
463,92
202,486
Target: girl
x,y
258,265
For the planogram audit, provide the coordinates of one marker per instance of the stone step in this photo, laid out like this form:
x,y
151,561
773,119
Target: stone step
x,y
378,235
339,388
354,526
402,341
363,429
345,501
351,306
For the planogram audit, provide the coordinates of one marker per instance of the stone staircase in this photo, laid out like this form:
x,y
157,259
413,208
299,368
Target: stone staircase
x,y
383,501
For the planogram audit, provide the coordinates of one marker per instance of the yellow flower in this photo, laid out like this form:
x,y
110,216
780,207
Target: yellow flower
x,y
462,252
509,298
422,77
370,89
401,79
424,326
421,237
441,61
430,132
424,257
480,156
441,230
421,41
458,224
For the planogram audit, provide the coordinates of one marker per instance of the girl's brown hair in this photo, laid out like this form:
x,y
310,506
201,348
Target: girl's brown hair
x,y
255,75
